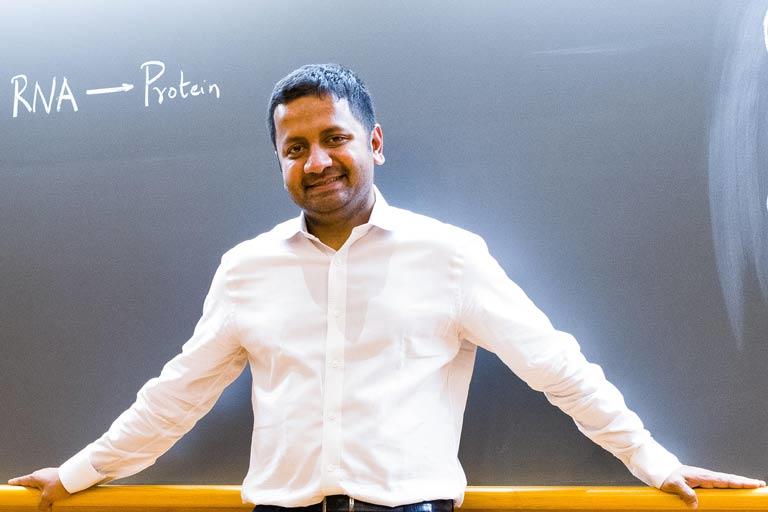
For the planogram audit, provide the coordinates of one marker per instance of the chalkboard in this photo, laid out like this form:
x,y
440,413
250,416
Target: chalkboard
x,y
587,142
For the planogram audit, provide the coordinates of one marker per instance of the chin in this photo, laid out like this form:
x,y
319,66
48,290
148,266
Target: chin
x,y
323,205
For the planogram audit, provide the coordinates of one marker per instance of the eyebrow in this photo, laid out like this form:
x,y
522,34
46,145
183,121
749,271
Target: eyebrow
x,y
332,129
327,131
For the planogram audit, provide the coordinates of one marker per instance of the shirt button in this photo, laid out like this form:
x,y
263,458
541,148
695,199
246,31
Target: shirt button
x,y
336,363
338,262
331,468
332,417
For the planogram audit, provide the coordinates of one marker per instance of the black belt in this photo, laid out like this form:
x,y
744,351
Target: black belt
x,y
342,503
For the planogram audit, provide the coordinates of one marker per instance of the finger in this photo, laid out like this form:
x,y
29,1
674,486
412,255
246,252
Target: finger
x,y
710,479
738,482
684,492
26,480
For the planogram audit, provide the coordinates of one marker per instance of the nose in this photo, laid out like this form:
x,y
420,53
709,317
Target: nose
x,y
317,160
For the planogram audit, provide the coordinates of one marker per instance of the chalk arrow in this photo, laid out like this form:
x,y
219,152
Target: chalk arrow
x,y
123,88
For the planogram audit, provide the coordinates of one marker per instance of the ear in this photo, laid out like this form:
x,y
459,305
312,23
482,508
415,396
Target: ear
x,y
377,144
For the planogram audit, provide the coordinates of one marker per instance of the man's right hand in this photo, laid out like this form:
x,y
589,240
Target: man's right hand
x,y
47,480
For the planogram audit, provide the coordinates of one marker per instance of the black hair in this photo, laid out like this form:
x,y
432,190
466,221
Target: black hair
x,y
321,80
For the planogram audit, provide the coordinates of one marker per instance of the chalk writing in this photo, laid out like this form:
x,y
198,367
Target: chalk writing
x,y
39,98
157,69
109,90
20,83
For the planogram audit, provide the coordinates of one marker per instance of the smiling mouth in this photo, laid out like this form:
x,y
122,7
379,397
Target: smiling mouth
x,y
326,181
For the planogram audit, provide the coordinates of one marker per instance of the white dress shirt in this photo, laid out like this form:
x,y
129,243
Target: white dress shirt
x,y
361,361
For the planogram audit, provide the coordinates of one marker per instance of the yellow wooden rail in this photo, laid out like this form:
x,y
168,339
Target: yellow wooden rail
x,y
215,498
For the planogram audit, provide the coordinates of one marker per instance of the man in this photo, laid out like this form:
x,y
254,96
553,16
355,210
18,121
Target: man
x,y
360,323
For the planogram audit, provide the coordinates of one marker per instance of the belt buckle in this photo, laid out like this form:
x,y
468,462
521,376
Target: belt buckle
x,y
350,504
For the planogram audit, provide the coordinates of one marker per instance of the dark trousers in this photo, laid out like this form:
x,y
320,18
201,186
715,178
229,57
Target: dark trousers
x,y
341,503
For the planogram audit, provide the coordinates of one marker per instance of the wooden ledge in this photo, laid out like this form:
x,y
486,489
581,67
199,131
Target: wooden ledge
x,y
180,498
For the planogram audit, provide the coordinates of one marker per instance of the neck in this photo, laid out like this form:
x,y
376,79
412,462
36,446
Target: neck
x,y
334,230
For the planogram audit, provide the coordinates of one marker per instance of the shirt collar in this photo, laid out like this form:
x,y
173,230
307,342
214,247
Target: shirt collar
x,y
382,216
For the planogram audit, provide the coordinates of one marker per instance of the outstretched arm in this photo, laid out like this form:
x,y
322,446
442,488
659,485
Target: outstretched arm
x,y
497,315
166,407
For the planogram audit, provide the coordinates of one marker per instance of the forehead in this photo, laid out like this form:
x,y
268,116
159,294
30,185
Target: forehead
x,y
312,114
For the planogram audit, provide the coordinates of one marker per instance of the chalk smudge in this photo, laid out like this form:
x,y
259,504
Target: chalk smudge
x,y
738,168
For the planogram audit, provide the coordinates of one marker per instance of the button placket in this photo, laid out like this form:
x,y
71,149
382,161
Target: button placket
x,y
334,375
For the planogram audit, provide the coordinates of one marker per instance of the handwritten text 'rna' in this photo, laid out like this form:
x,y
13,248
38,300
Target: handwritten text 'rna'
x,y
20,86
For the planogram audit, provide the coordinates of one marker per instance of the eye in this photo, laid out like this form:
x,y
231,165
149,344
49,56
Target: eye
x,y
294,150
337,140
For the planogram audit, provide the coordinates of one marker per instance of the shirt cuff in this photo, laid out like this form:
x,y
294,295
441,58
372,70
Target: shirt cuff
x,y
652,463
77,473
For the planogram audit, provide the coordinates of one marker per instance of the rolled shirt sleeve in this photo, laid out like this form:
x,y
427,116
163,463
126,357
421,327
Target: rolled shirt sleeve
x,y
169,405
497,315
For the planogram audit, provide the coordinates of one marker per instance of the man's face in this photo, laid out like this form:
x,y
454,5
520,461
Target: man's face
x,y
326,157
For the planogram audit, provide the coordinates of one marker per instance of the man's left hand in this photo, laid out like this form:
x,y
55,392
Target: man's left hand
x,y
682,482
